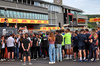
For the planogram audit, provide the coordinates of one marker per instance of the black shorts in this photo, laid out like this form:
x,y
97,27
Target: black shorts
x,y
10,49
63,47
81,47
25,53
75,49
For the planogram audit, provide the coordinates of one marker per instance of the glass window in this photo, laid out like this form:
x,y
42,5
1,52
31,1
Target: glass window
x,y
2,13
33,16
18,14
14,14
7,13
22,15
11,14
25,15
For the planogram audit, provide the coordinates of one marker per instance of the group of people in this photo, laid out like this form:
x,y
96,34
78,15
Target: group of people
x,y
62,44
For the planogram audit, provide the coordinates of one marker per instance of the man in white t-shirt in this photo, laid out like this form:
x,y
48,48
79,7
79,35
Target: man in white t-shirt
x,y
10,46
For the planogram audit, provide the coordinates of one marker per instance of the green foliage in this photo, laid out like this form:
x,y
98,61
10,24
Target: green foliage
x,y
90,26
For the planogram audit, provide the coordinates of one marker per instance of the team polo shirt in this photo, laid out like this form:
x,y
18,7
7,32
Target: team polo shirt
x,y
81,39
67,37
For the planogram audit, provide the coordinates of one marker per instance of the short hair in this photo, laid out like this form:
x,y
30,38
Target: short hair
x,y
93,29
68,29
82,30
62,30
6,19
86,30
26,35
2,36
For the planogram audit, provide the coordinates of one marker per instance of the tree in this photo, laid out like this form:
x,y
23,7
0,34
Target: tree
x,y
90,26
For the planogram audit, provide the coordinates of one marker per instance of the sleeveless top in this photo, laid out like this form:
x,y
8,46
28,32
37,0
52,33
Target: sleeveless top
x,y
51,41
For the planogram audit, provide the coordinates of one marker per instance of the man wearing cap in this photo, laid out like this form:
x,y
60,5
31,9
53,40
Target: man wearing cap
x,y
45,45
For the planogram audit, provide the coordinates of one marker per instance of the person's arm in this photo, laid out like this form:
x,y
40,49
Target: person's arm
x,y
91,40
28,47
23,47
37,43
1,42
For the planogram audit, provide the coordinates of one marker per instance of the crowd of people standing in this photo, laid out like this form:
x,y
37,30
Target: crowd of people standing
x,y
60,45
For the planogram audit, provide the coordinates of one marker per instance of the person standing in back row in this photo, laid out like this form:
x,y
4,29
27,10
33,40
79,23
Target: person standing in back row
x,y
51,40
58,43
10,47
67,37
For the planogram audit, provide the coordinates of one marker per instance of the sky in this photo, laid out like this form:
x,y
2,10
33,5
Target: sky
x,y
88,6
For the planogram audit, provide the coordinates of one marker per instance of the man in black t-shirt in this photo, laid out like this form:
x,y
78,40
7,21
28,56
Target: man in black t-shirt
x,y
45,45
34,46
26,49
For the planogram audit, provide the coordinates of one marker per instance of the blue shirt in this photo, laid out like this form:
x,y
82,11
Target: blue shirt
x,y
75,41
4,24
81,39
87,36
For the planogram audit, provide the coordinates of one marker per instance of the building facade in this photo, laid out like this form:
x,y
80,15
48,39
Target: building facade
x,y
37,13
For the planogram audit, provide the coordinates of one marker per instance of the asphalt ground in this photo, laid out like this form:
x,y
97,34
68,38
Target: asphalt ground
x,y
42,62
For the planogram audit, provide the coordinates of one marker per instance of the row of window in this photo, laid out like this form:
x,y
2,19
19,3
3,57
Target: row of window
x,y
49,6
25,15
74,12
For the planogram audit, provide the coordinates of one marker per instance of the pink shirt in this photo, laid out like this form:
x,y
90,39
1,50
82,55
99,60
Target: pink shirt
x,y
52,42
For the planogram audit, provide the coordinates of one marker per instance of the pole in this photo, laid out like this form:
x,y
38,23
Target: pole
x,y
16,19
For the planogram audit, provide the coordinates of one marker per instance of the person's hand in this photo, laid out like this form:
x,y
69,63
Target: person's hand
x,y
27,50
24,50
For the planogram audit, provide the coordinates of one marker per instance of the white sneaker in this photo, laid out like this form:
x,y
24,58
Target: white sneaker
x,y
67,58
4,59
30,63
1,60
97,59
50,62
70,57
92,59
54,62
34,59
24,64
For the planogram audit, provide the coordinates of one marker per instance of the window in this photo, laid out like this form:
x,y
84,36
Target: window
x,y
22,15
18,14
11,14
14,14
33,16
25,15
2,13
7,14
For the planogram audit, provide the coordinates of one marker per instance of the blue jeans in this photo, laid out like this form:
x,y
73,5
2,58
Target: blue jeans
x,y
59,52
16,53
52,51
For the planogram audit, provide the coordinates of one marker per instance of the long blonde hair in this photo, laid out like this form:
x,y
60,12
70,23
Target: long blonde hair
x,y
94,34
52,36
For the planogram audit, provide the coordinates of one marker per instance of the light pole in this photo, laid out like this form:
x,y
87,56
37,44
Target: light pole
x,y
72,25
16,20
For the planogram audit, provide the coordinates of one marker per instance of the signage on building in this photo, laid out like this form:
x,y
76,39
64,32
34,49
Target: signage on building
x,y
81,21
58,1
24,21
49,28
94,20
